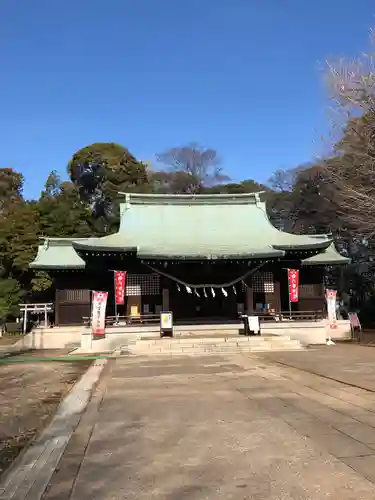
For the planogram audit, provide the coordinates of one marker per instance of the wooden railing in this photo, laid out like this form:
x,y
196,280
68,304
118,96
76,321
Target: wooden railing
x,y
149,319
291,316
142,319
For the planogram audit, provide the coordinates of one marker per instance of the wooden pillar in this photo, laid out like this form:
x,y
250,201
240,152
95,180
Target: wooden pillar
x,y
274,299
165,299
57,308
249,300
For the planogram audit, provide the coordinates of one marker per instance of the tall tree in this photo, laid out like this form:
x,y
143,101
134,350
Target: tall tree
x,y
163,182
61,211
304,200
352,167
52,185
100,171
18,241
198,167
11,186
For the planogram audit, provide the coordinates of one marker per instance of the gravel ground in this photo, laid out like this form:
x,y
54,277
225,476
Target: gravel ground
x,y
29,396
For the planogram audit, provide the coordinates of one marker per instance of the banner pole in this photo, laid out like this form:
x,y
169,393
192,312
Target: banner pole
x,y
114,294
290,303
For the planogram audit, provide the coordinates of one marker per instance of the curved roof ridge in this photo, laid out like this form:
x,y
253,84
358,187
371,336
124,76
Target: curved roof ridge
x,y
191,199
59,241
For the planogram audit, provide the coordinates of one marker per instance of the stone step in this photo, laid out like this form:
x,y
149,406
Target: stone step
x,y
208,345
171,343
205,341
213,349
203,353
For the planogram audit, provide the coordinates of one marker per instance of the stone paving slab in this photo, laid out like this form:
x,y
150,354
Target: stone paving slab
x,y
182,432
348,363
208,428
29,476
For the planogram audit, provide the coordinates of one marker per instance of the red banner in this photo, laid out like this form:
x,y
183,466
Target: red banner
x,y
120,280
293,281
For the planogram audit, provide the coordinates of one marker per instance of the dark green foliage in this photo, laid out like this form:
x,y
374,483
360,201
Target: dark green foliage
x,y
102,170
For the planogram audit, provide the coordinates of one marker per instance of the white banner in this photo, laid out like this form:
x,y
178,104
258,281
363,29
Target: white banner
x,y
99,304
331,308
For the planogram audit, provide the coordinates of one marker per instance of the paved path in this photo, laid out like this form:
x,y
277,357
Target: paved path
x,y
210,428
349,363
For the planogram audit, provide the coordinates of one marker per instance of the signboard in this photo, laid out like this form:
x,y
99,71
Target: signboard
x,y
166,323
354,320
293,281
254,324
331,308
120,280
99,304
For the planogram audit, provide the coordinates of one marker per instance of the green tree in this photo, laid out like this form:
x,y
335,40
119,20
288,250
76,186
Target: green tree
x,y
62,212
246,186
11,185
52,186
99,172
304,200
10,296
18,241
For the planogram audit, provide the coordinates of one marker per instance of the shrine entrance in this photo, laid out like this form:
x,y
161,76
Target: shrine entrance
x,y
204,305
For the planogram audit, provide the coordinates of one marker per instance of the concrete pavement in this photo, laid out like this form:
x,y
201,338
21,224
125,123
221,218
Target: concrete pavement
x,y
208,428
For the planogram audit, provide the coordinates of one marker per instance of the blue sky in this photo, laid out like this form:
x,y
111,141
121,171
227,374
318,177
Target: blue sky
x,y
241,76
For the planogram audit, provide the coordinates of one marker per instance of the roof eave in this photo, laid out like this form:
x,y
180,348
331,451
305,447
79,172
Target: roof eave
x,y
338,262
319,245
195,257
46,267
89,247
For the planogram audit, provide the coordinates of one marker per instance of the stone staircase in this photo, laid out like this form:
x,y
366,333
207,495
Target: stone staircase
x,y
203,346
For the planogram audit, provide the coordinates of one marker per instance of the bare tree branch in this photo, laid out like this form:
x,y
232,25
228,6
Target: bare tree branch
x,y
200,166
352,170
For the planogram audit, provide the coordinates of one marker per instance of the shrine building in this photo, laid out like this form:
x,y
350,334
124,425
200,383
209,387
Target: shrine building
x,y
203,257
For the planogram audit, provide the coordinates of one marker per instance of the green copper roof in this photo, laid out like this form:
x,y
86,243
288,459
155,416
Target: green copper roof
x,y
190,227
199,227
330,256
57,253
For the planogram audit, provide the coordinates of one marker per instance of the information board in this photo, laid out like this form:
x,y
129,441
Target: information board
x,y
166,323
